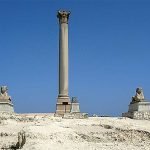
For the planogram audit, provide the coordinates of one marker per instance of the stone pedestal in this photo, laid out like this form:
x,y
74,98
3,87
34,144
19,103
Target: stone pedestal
x,y
6,105
138,110
63,105
139,115
75,108
140,106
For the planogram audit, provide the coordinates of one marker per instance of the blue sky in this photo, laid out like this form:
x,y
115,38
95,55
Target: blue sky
x,y
109,51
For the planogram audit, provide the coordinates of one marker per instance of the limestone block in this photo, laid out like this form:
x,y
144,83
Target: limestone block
x,y
75,116
139,115
140,106
75,107
6,107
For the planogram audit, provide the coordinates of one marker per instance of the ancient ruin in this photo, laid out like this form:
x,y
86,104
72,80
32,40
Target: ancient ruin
x,y
5,100
63,101
139,107
75,105
139,96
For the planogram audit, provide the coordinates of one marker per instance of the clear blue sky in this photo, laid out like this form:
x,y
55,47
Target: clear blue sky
x,y
109,53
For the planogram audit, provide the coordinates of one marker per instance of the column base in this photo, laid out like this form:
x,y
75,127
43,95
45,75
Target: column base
x,y
63,105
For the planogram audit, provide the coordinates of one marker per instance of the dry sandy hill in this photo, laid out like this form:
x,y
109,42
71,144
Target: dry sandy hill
x,y
46,132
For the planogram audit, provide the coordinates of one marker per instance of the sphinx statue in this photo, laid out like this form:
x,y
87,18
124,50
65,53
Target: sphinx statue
x,y
139,107
139,96
74,100
6,104
4,93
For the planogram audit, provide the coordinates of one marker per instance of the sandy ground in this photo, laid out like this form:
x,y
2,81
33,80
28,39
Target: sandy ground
x,y
46,132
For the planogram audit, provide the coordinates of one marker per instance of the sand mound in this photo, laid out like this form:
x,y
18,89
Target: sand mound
x,y
46,132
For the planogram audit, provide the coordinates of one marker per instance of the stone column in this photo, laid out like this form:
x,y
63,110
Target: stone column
x,y
63,101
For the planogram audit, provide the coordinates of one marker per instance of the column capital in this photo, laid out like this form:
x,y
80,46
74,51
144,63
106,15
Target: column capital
x,y
63,16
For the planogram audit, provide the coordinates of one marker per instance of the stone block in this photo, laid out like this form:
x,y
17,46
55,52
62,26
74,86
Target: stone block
x,y
139,115
140,106
138,110
61,108
75,116
6,107
75,108
63,105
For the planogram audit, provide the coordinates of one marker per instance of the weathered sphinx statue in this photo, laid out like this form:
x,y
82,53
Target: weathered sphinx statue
x,y
139,96
5,100
4,94
74,100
